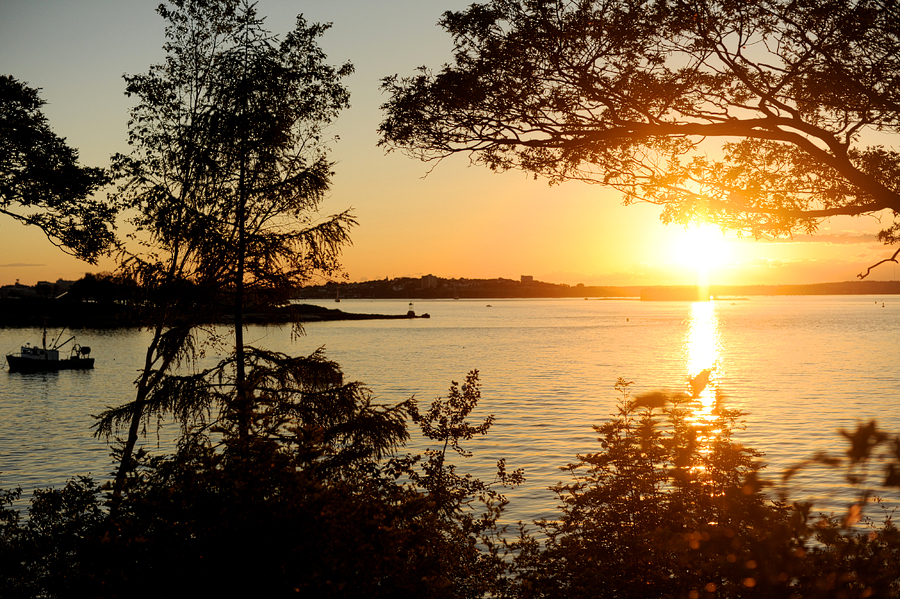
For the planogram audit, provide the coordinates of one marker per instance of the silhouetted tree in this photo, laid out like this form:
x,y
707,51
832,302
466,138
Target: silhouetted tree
x,y
671,506
41,182
763,117
305,504
104,288
228,170
464,533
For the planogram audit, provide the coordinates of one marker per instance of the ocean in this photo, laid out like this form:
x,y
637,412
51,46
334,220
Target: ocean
x,y
801,368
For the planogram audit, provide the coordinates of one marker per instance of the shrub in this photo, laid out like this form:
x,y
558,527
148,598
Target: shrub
x,y
672,506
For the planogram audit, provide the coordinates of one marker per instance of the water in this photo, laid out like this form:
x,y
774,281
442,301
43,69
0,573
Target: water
x,y
801,367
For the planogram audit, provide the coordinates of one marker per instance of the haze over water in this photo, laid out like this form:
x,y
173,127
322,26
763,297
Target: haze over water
x,y
801,367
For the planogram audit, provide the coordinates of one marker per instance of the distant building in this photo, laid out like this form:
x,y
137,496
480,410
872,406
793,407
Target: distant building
x,y
527,279
63,285
429,282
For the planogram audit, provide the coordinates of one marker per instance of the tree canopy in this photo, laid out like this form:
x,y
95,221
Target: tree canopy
x,y
228,169
762,117
41,182
227,139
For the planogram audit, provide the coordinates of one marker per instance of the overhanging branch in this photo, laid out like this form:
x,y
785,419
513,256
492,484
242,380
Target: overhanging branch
x,y
893,259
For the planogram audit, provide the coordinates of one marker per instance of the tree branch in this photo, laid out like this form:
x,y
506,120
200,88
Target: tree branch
x,y
893,259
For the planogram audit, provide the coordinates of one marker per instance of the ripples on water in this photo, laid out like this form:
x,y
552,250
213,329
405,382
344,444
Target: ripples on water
x,y
801,367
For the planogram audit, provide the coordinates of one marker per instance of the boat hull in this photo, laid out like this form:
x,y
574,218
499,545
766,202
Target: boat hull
x,y
22,364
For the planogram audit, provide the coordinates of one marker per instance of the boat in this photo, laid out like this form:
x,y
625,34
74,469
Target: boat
x,y
43,359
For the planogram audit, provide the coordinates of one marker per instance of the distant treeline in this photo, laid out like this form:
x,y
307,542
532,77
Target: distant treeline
x,y
438,288
844,288
430,287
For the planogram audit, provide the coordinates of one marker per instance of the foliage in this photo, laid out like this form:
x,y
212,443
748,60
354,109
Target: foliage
x,y
298,505
229,166
41,182
104,288
316,500
288,391
466,510
302,505
55,551
764,117
671,507
227,136
227,173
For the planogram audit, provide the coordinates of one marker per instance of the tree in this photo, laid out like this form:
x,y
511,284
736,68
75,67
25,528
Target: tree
x,y
464,511
41,182
228,170
304,505
763,117
670,506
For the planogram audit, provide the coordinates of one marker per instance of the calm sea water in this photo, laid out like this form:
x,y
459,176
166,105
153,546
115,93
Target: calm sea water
x,y
801,367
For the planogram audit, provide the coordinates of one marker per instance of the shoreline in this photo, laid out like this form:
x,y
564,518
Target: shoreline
x,y
44,312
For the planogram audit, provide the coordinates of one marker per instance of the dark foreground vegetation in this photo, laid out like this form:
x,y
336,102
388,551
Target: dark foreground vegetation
x,y
287,480
319,499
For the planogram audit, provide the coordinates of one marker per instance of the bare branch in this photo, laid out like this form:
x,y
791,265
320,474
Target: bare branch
x,y
893,259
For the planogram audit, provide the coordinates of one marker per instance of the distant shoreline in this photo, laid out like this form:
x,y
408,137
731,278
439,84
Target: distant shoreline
x,y
438,288
38,312
42,311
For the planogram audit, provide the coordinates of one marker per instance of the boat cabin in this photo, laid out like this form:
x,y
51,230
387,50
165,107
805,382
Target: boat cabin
x,y
39,353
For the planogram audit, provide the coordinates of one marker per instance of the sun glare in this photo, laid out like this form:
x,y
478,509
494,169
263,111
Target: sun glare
x,y
702,248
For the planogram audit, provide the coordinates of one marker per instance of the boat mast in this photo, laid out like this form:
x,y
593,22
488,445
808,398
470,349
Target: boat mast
x,y
58,337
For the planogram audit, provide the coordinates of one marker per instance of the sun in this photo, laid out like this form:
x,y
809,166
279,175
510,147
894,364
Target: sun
x,y
702,248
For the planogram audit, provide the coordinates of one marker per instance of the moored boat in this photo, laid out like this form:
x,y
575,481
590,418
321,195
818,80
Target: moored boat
x,y
43,359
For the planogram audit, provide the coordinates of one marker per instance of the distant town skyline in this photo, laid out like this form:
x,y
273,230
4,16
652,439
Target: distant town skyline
x,y
448,219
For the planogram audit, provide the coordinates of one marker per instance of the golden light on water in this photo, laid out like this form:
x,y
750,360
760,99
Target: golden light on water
x,y
702,351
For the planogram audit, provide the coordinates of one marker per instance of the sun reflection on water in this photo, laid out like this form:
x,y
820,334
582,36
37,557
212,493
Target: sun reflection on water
x,y
702,352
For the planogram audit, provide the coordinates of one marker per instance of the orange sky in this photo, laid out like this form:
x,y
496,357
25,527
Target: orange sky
x,y
458,221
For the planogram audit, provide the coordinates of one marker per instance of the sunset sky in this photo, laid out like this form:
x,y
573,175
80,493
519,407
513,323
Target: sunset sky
x,y
458,221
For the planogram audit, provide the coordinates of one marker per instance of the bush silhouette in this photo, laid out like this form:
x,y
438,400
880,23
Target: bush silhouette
x,y
672,506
